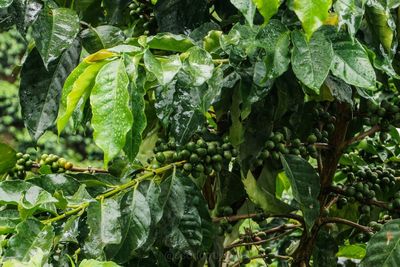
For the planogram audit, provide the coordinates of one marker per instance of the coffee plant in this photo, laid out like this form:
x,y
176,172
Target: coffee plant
x,y
233,133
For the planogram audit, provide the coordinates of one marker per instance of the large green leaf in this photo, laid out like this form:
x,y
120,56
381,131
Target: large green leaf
x,y
170,42
101,37
76,90
262,198
135,224
312,14
351,63
40,88
31,235
5,3
198,65
8,158
38,259
305,186
311,60
110,93
274,38
95,263
25,13
54,31
103,222
9,218
350,13
247,8
267,8
116,10
54,182
164,68
383,249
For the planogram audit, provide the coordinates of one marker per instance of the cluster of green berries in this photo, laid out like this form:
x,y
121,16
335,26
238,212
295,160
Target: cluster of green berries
x,y
24,164
56,164
142,12
385,114
203,157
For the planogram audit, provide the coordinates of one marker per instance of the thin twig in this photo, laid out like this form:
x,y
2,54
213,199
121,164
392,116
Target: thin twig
x,y
363,135
78,169
347,222
234,218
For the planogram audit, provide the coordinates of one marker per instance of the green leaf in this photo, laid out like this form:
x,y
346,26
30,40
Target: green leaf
x,y
40,94
350,13
312,14
31,235
101,37
116,10
353,251
38,259
305,186
5,3
54,31
267,8
25,13
76,90
311,60
8,158
135,225
199,65
274,38
54,182
170,42
110,92
351,63
339,89
8,221
164,68
383,249
70,230
247,8
103,222
262,198
325,249
94,263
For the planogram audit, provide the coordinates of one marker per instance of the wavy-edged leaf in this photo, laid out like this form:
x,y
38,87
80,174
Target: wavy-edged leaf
x,y
383,249
101,37
305,186
164,68
110,93
76,90
103,222
247,8
274,39
54,31
30,236
135,225
351,63
40,94
170,42
311,60
267,8
8,158
350,13
262,198
312,14
199,65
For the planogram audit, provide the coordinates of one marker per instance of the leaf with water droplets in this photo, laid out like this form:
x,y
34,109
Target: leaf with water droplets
x,y
164,68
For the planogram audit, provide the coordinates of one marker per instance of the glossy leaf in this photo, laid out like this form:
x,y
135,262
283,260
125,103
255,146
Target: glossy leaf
x,y
267,8
170,42
382,25
9,218
312,14
103,222
26,12
110,92
305,186
30,236
135,225
77,89
247,8
54,182
5,3
8,158
54,31
198,65
101,37
353,251
311,60
350,13
40,94
274,38
164,68
262,198
38,259
351,63
383,249
95,263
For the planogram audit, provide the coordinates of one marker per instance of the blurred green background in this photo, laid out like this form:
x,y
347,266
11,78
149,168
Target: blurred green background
x,y
78,147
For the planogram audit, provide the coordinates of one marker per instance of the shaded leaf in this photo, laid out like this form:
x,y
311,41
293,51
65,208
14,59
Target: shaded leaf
x,y
5,3
170,42
247,8
101,37
8,158
350,13
94,263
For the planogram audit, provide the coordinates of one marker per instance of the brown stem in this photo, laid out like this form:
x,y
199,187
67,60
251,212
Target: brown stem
x,y
363,135
239,217
347,222
78,169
